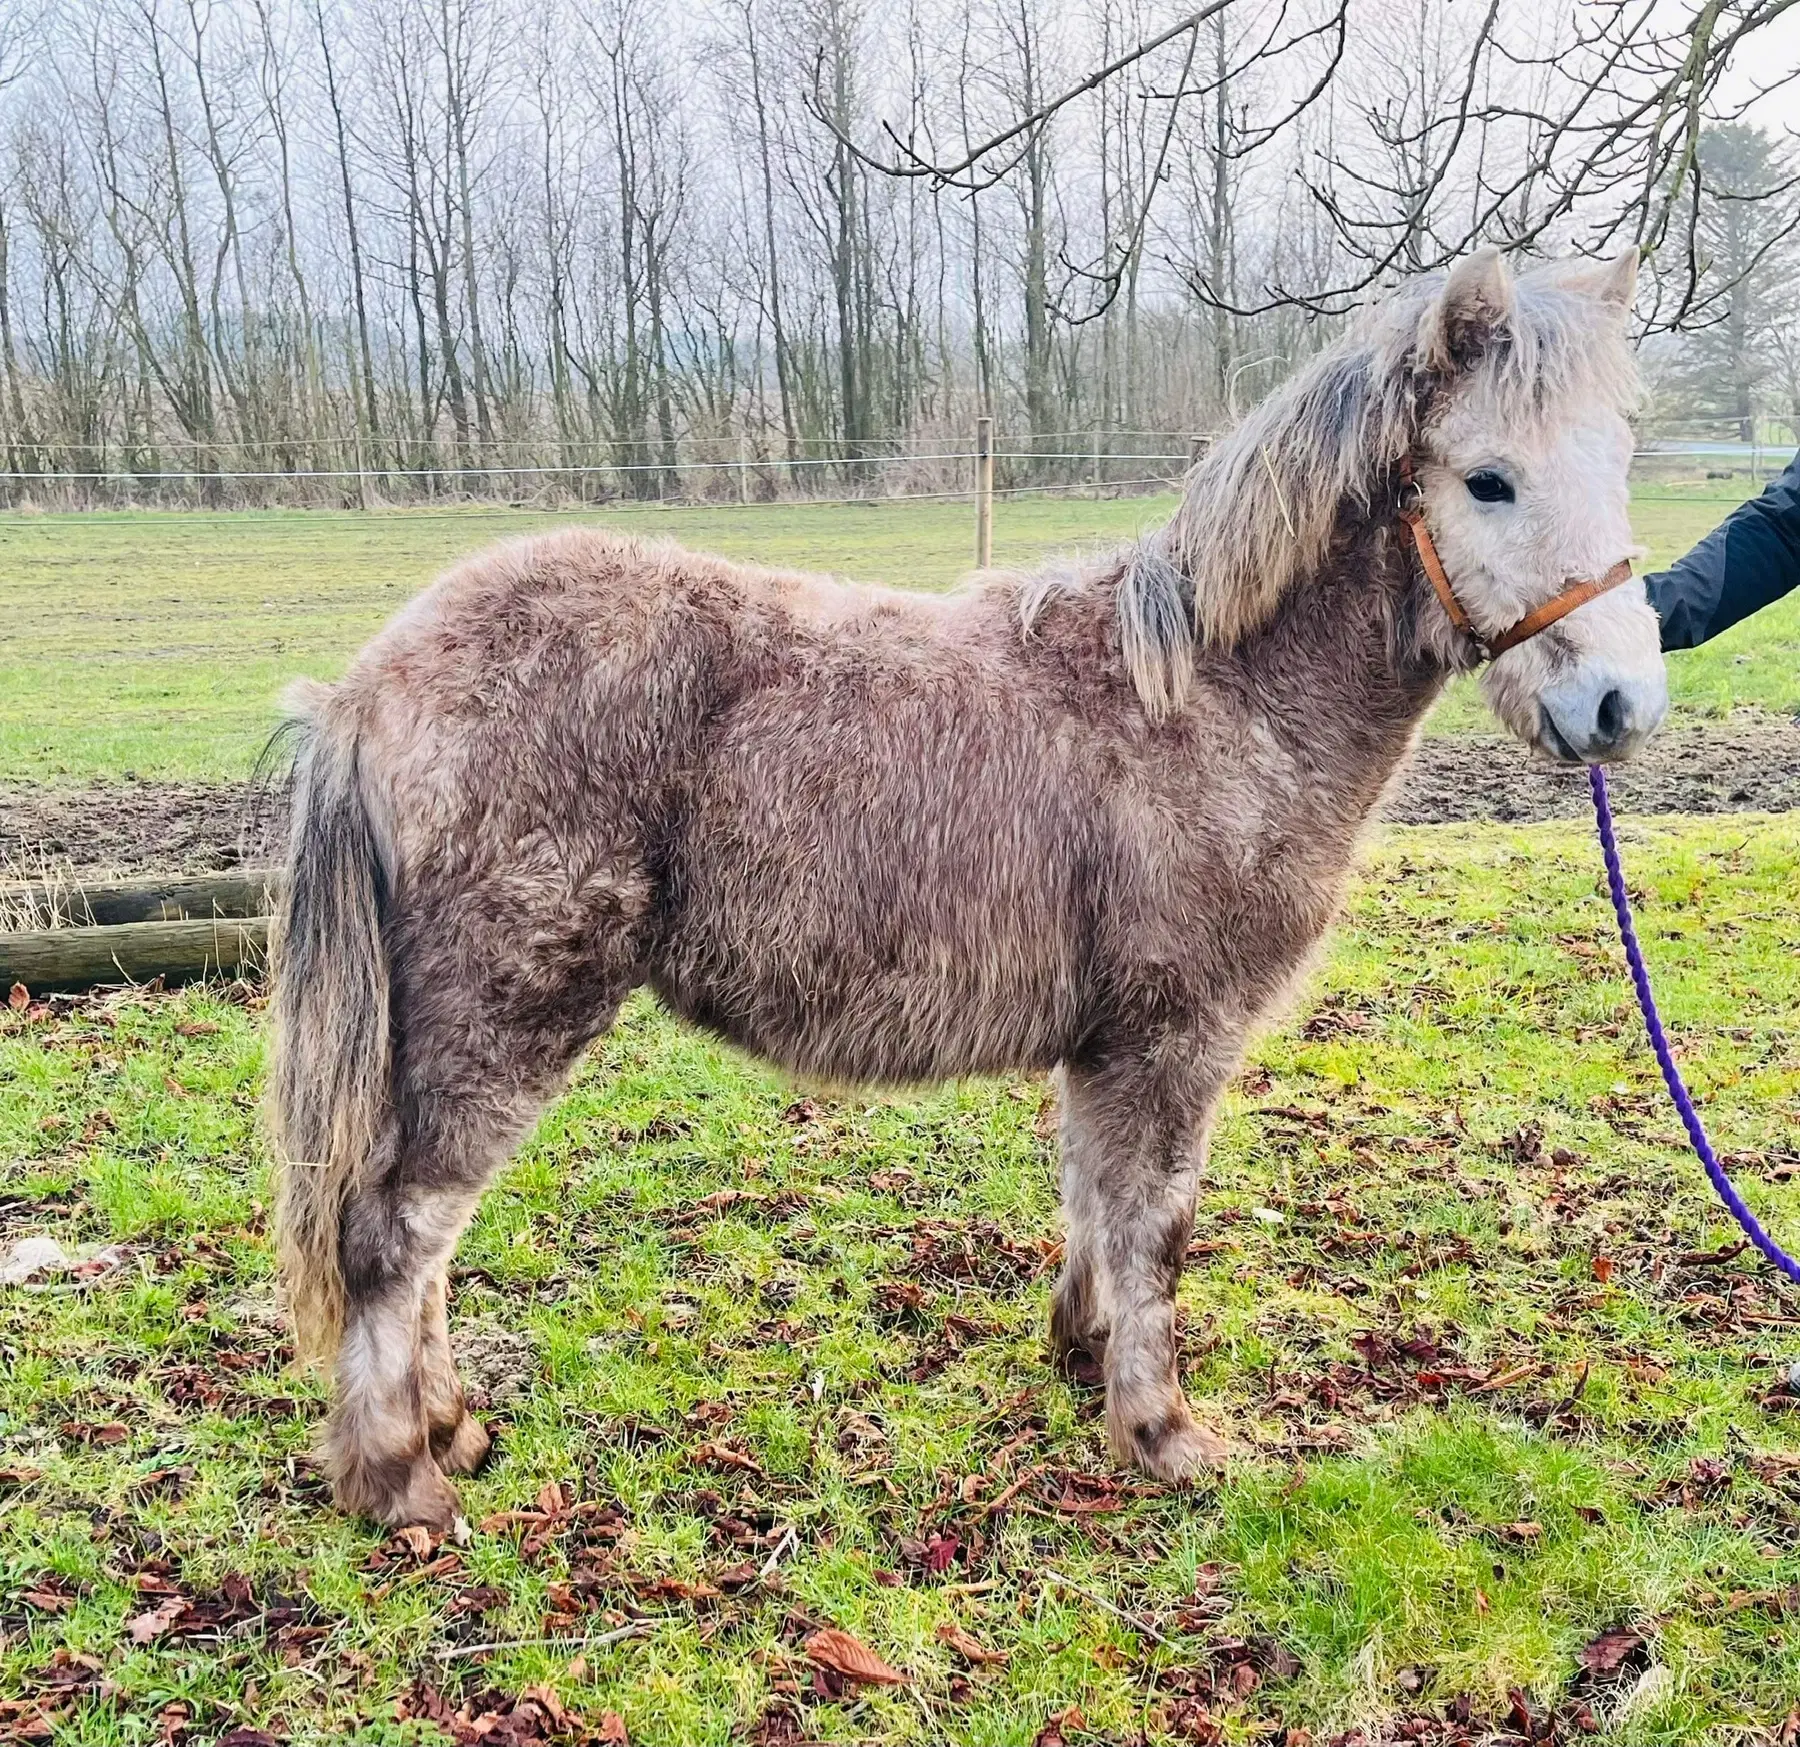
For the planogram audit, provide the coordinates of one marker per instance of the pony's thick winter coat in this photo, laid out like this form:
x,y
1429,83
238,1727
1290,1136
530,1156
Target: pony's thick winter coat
x,y
1093,820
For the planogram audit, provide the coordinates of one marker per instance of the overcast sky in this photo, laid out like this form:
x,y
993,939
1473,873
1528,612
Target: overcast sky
x,y
1774,51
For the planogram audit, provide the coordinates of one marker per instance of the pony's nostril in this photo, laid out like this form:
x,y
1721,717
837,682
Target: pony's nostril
x,y
1609,725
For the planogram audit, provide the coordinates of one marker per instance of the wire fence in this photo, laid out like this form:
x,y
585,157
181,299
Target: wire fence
x,y
230,475
691,471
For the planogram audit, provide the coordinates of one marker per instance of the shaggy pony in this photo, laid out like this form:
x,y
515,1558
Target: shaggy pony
x,y
1093,821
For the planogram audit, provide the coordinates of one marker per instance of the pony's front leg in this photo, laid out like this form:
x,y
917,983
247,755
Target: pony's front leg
x,y
1079,1317
1133,1143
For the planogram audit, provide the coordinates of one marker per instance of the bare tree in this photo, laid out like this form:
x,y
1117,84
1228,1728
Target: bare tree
x,y
293,250
1744,191
367,412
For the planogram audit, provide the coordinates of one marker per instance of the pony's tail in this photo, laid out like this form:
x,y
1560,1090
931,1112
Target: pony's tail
x,y
329,1079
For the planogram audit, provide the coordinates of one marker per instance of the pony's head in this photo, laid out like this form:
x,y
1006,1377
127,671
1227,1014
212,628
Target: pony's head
x,y
1522,458
1508,400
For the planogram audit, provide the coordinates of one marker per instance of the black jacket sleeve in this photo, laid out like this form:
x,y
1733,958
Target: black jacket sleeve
x,y
1750,559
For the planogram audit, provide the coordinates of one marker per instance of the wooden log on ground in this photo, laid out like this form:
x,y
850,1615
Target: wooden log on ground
x,y
152,898
50,960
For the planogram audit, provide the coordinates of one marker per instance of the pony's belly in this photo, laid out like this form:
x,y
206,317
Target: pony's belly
x,y
870,1024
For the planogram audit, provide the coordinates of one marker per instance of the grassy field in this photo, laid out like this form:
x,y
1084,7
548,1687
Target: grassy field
x,y
158,643
1520,1446
766,1362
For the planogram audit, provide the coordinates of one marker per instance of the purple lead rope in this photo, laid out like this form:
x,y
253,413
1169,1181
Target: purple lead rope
x,y
1659,1042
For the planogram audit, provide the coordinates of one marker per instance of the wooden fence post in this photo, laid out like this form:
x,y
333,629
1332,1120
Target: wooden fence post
x,y
362,465
984,493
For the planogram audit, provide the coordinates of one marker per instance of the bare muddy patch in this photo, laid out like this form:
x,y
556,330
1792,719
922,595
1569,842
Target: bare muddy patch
x,y
131,827
1748,763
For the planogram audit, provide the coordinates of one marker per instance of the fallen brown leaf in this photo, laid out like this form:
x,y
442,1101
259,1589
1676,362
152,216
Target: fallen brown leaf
x,y
715,1455
778,1726
146,1628
850,1657
511,1519
1713,1258
113,1432
173,1481
969,1648
547,1700
1604,1654
49,1601
1051,1735
1506,1379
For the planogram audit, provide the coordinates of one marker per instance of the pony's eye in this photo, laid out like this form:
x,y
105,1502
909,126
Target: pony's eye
x,y
1489,487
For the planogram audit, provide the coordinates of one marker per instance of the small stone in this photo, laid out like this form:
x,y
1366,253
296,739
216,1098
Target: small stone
x,y
1793,1376
30,1258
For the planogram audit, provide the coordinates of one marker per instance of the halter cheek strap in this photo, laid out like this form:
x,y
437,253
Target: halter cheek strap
x,y
1577,593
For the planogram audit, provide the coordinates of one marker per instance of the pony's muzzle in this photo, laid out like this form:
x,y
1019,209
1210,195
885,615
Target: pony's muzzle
x,y
1599,717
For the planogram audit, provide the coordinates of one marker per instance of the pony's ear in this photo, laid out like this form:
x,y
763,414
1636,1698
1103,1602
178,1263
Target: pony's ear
x,y
1613,282
1475,305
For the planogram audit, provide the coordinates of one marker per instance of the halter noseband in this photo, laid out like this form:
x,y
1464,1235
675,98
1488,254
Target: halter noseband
x,y
1577,594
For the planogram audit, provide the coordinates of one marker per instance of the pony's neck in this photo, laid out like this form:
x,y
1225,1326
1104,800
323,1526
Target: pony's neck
x,y
1346,668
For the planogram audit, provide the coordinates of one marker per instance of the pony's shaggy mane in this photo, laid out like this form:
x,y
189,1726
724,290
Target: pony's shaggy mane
x,y
1260,510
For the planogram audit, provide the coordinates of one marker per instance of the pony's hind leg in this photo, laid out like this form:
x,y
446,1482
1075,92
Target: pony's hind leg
x,y
476,1060
1133,1143
378,1442
459,1441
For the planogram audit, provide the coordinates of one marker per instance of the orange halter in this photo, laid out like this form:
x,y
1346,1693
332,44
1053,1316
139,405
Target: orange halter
x,y
1577,594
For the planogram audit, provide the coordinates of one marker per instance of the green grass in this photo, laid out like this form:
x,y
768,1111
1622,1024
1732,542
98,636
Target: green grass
x,y
158,643
1464,1146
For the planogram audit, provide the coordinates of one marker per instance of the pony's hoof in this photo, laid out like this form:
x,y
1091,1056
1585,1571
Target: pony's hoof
x,y
416,1496
464,1448
430,1502
1175,1446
